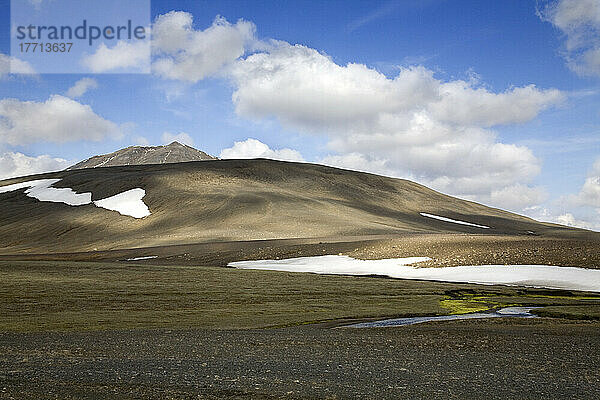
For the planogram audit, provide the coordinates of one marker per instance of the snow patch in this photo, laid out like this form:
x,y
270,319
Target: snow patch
x,y
141,258
127,203
339,265
543,276
23,185
42,190
45,192
454,221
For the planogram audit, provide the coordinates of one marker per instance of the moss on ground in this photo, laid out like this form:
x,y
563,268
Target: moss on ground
x,y
563,304
80,296
582,312
456,306
71,296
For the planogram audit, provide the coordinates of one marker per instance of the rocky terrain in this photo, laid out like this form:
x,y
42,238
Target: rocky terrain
x,y
140,155
491,359
243,200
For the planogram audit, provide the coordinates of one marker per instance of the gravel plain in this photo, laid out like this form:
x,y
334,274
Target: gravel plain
x,y
477,359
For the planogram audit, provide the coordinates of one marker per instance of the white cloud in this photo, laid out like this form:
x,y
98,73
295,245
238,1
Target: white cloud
x,y
306,89
359,162
413,125
577,218
590,192
17,164
13,65
58,119
463,104
579,20
581,209
182,137
516,197
81,87
252,148
569,220
122,57
191,55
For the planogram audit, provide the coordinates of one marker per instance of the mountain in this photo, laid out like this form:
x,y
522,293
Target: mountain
x,y
138,155
236,200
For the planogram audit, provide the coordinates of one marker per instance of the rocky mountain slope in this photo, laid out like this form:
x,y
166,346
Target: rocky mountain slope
x,y
138,155
234,200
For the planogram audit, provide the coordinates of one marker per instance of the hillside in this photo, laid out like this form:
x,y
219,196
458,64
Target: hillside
x,y
240,200
138,155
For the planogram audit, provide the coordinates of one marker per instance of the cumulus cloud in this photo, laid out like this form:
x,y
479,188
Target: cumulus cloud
x,y
463,104
181,137
590,192
252,148
122,57
412,125
579,21
12,65
17,164
191,55
558,214
81,87
581,209
306,89
517,197
58,119
359,162
569,220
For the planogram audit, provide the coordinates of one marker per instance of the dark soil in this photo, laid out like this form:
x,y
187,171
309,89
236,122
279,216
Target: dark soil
x,y
485,359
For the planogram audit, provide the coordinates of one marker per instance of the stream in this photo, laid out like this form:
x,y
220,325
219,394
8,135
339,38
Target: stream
x,y
515,312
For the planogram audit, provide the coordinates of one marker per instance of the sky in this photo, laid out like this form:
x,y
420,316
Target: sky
x,y
496,101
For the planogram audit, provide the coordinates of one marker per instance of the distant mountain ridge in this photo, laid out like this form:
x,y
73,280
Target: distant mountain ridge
x,y
139,155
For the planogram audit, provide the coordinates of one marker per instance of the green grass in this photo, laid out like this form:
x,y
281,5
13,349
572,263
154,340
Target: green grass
x,y
463,306
89,296
582,312
73,296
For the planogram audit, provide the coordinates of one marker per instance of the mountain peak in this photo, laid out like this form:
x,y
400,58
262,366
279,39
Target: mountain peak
x,y
174,152
176,144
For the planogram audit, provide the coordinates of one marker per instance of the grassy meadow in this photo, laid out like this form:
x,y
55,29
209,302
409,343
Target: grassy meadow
x,y
80,296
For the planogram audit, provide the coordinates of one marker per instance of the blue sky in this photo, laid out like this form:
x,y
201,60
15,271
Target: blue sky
x,y
543,142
